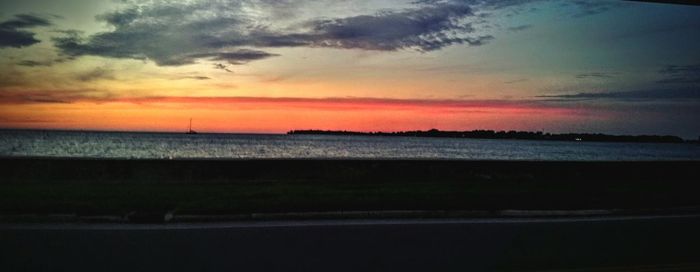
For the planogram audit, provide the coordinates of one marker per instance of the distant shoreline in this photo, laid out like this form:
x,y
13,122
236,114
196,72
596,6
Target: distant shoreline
x,y
433,133
506,135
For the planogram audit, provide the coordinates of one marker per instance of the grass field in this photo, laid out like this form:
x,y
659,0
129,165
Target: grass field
x,y
43,186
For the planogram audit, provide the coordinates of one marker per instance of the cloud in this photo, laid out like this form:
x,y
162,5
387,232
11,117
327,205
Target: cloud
x,y
180,33
596,75
96,74
174,33
40,63
679,80
425,29
24,119
678,69
680,74
12,33
34,96
656,94
587,7
220,66
196,77
520,28
241,56
168,33
33,63
581,8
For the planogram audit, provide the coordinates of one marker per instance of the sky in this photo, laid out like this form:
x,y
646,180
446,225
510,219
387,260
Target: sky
x,y
269,66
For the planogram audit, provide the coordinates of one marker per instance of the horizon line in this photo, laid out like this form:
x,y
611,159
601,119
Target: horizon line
x,y
318,130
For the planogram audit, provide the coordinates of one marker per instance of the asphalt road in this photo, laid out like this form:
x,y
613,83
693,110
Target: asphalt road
x,y
614,244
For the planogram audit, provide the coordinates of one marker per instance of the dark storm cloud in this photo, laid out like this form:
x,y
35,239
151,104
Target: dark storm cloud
x,y
655,94
425,29
24,21
13,33
180,33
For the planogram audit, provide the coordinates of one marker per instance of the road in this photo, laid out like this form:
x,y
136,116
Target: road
x,y
594,244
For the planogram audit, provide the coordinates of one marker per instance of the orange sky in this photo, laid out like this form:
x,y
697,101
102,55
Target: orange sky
x,y
376,65
277,115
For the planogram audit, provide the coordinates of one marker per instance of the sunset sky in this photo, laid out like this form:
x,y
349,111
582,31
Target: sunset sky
x,y
613,67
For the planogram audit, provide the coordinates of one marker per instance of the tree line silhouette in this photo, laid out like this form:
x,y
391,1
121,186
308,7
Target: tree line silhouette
x,y
511,134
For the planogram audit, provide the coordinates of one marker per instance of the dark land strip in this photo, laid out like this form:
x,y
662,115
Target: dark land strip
x,y
509,135
434,188
659,244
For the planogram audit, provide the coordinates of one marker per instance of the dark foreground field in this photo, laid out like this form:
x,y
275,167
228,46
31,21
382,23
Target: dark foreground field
x,y
119,187
603,245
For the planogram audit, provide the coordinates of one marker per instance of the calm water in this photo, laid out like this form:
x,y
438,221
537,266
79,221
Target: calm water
x,y
167,145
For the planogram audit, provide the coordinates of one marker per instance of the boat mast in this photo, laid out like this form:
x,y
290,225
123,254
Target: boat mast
x,y
190,129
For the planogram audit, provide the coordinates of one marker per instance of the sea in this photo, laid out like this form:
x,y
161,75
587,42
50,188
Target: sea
x,y
142,145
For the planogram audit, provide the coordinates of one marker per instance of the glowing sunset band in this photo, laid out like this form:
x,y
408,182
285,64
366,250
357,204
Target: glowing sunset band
x,y
263,114
349,103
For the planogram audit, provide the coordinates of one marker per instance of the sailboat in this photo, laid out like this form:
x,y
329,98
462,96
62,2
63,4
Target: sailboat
x,y
190,131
